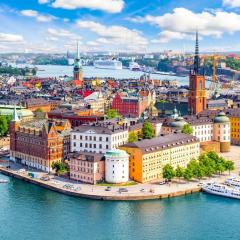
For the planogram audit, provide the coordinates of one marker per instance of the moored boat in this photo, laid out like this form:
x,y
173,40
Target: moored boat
x,y
221,190
233,182
3,181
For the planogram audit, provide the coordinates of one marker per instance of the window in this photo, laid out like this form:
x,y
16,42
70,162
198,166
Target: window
x,y
74,144
106,138
86,137
100,138
106,146
100,146
74,136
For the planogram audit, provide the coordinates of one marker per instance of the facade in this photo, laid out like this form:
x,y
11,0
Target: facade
x,y
96,102
197,100
39,143
98,138
39,103
128,106
148,157
206,129
116,166
87,167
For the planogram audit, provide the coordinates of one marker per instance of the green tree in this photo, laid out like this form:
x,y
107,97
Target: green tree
x,y
60,167
199,171
188,174
229,165
148,131
39,110
179,172
4,125
112,113
168,172
187,129
133,137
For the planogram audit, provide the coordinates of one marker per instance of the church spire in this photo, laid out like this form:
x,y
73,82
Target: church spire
x,y
196,66
15,115
78,52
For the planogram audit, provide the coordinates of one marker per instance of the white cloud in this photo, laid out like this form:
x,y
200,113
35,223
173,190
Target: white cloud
x,y
10,38
61,34
115,35
182,23
43,1
231,3
166,36
111,6
39,17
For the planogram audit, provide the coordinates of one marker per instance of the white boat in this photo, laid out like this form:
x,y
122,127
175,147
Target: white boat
x,y
134,66
108,64
3,181
233,182
221,190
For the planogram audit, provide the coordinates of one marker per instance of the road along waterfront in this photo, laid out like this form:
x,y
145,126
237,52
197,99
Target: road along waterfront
x,y
135,192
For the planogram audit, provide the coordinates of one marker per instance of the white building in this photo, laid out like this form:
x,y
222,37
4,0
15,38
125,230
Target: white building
x,y
98,139
116,166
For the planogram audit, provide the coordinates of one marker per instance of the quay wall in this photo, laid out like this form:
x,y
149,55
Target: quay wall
x,y
122,197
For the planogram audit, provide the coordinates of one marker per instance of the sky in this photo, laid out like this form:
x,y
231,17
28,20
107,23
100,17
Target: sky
x,y
55,26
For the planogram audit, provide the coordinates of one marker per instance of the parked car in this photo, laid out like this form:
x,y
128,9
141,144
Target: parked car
x,y
122,190
45,178
108,189
162,182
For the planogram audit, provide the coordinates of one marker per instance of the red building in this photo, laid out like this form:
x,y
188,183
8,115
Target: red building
x,y
75,117
197,100
129,106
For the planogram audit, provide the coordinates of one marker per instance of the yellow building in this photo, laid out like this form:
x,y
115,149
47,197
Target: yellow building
x,y
235,129
148,157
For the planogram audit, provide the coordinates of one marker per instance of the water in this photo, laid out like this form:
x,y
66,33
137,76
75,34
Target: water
x,y
88,71
28,212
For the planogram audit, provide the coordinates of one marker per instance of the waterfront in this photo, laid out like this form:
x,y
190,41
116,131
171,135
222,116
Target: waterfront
x,y
30,212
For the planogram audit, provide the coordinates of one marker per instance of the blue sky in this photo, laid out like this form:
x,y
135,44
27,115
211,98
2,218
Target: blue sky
x,y
118,25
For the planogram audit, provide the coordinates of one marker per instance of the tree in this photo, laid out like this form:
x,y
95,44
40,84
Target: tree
x,y
188,174
199,171
229,165
4,125
39,110
147,131
179,172
168,172
112,113
133,137
60,167
187,129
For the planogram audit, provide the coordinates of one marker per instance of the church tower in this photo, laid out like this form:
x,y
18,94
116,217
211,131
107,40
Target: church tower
x,y
77,69
13,127
197,100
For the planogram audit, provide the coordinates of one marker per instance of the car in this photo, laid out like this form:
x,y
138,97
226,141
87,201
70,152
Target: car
x,y
45,178
108,189
122,190
22,170
200,184
162,182
56,182
142,190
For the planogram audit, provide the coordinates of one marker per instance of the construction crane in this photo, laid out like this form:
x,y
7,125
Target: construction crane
x,y
215,86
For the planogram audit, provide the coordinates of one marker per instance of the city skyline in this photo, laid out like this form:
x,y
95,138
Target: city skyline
x,y
118,25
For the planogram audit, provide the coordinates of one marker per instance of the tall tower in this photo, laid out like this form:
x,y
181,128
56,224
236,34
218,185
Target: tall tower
x,y
197,100
13,127
77,69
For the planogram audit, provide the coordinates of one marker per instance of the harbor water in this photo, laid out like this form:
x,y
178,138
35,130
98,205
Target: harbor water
x,y
30,212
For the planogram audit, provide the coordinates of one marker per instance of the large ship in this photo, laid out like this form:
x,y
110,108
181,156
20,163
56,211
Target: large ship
x,y
221,190
108,64
134,66
233,182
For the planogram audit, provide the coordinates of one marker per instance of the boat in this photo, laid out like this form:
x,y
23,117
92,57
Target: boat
x,y
233,182
221,190
134,66
108,64
3,181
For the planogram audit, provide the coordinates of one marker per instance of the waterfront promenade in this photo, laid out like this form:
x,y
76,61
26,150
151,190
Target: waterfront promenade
x,y
136,192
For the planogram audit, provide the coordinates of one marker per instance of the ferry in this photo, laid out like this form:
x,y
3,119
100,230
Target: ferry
x,y
108,64
233,182
221,190
134,66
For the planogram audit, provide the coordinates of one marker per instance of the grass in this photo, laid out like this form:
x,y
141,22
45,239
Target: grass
x,y
130,183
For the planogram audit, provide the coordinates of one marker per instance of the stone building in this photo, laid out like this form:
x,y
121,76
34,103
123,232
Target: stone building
x,y
39,143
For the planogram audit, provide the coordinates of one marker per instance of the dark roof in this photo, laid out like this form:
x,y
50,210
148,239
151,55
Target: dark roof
x,y
87,156
162,142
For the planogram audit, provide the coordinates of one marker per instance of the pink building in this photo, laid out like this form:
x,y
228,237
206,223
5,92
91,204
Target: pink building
x,y
87,167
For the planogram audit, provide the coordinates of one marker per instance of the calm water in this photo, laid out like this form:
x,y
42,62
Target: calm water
x,y
28,212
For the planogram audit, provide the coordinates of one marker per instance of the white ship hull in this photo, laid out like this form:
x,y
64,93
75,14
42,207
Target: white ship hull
x,y
111,64
226,193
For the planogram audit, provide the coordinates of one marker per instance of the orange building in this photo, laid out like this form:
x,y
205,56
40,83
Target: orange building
x,y
197,100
